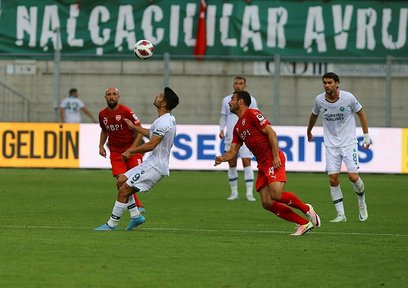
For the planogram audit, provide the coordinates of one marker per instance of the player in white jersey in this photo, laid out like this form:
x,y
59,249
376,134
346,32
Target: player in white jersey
x,y
227,123
142,178
71,107
337,108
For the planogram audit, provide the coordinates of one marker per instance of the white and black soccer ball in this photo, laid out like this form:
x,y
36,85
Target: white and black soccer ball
x,y
143,49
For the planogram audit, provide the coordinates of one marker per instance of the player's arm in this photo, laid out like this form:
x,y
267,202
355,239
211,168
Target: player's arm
x,y
273,142
102,141
223,123
62,114
364,125
89,114
230,154
146,147
138,139
312,122
138,129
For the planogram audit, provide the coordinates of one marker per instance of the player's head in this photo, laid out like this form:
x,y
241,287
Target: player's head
x,y
167,99
171,98
244,95
331,75
112,96
330,83
73,92
239,83
239,99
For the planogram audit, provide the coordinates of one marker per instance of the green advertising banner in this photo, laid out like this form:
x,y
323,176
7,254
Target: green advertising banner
x,y
232,28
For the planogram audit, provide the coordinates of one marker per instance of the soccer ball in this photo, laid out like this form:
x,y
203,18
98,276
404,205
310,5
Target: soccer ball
x,y
143,49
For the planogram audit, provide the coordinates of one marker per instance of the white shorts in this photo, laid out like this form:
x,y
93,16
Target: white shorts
x,y
243,152
142,178
336,155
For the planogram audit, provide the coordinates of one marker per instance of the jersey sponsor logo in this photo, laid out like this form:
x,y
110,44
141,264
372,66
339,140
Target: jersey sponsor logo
x,y
118,117
260,117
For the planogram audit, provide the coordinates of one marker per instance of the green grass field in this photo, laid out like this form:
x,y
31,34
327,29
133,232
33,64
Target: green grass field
x,y
193,236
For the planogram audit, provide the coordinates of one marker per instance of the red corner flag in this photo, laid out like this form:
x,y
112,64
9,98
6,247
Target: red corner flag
x,y
201,39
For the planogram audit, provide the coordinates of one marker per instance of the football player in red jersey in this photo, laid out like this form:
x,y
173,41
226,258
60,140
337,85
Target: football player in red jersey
x,y
255,131
115,130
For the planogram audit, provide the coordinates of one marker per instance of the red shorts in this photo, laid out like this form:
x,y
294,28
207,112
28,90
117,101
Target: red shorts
x,y
267,174
120,167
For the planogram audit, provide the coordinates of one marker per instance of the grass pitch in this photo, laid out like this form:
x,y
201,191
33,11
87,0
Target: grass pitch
x,y
193,236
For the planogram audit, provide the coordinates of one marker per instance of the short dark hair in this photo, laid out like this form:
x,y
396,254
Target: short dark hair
x,y
244,95
239,77
332,75
72,91
171,98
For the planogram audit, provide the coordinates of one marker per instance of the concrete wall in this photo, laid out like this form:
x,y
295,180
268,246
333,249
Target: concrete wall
x,y
200,85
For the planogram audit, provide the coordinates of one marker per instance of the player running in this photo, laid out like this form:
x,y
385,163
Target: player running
x,y
255,131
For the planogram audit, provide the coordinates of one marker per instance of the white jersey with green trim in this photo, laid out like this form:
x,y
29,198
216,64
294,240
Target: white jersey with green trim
x,y
339,123
164,127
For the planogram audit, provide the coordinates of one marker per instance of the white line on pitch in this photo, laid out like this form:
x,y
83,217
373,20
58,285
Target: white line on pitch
x,y
209,230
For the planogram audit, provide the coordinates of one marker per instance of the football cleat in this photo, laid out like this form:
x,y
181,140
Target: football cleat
x,y
141,210
339,218
251,198
134,222
106,227
233,197
313,217
363,214
303,229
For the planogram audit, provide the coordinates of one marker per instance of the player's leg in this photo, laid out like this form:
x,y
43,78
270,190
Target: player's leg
x,y
350,159
279,209
282,211
119,207
125,192
268,191
232,176
246,156
277,180
333,165
131,163
141,179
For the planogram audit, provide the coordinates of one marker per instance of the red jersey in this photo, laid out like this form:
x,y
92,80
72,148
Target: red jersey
x,y
120,137
248,130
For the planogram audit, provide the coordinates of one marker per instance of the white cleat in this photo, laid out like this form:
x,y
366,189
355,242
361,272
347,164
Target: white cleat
x,y
251,198
339,218
233,197
313,217
303,229
363,214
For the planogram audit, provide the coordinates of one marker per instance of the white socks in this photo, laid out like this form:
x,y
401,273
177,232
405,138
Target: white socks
x,y
131,206
337,197
117,213
233,180
359,188
249,180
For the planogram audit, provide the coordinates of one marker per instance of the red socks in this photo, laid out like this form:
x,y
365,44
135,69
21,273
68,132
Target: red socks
x,y
292,200
284,212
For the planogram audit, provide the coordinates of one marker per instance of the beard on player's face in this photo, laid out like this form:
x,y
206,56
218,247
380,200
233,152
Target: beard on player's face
x,y
112,103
